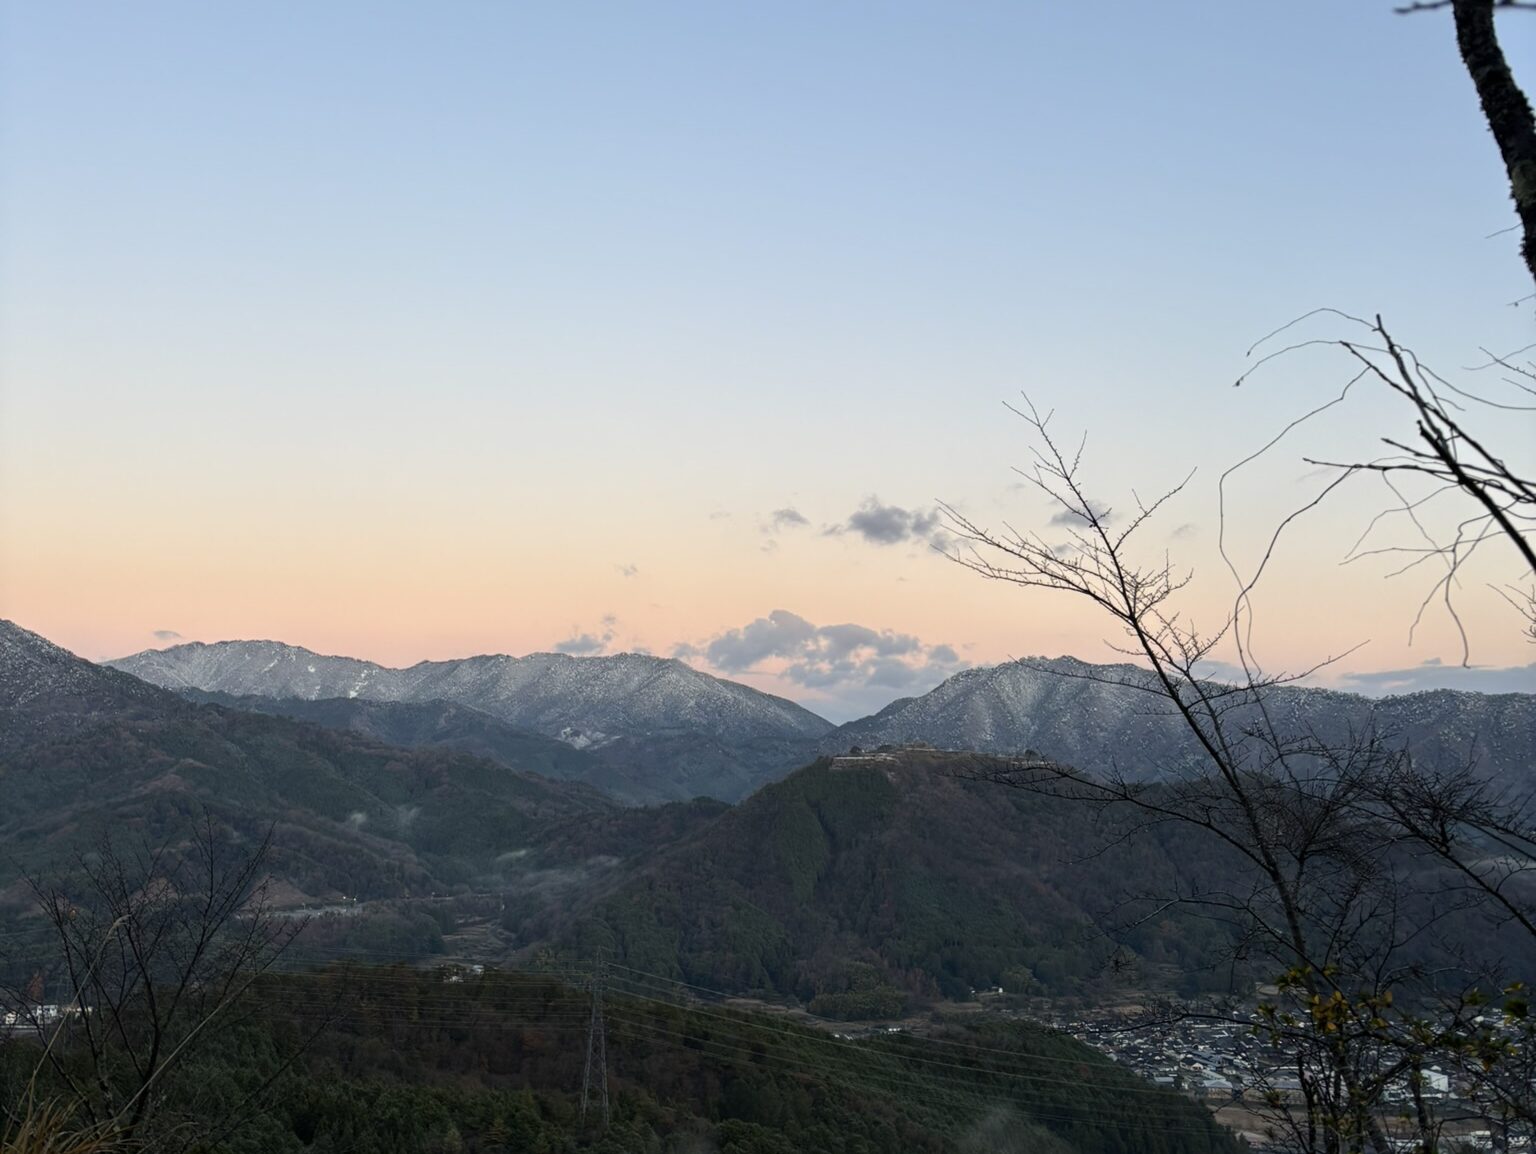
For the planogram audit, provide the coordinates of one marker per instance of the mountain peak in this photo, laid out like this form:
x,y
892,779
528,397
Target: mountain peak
x,y
1102,718
51,686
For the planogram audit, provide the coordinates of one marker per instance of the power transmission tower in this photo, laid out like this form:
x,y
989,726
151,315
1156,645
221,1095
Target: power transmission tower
x,y
597,1044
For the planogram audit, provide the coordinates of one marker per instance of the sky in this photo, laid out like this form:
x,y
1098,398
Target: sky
x,y
415,331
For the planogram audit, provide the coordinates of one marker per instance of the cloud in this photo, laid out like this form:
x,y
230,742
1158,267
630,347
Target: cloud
x,y
781,519
1226,672
780,634
166,635
630,570
848,661
1434,674
890,524
580,644
842,640
1184,531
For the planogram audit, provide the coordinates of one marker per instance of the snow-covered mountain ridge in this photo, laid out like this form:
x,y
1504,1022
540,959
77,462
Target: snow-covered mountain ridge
x,y
1094,716
1103,717
629,694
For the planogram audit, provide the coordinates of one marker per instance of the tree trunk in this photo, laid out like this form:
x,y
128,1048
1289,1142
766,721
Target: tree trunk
x,y
1505,108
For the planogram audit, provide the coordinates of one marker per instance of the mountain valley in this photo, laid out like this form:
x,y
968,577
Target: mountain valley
x,y
898,884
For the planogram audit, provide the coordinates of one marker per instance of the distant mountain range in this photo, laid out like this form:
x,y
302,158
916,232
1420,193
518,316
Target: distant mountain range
x,y
582,700
657,730
851,884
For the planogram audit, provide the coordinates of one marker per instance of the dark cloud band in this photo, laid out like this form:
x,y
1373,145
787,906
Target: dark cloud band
x,y
891,524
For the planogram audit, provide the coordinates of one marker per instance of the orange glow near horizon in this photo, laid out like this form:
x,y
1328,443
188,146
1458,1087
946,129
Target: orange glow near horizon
x,y
105,594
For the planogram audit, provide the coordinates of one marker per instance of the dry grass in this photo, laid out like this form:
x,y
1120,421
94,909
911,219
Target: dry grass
x,y
50,1128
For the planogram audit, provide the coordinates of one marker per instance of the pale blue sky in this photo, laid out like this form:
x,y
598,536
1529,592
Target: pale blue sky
x,y
403,328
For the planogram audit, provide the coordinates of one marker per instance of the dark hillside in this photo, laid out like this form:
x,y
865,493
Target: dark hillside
x,y
410,1063
439,725
853,886
649,769
87,750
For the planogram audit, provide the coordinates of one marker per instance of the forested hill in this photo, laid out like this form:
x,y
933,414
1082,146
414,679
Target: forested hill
x,y
440,725
650,769
853,886
409,1063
